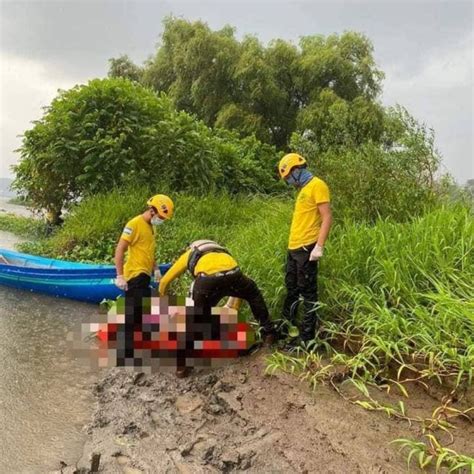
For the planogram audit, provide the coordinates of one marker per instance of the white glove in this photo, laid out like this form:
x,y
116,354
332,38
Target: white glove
x,y
121,283
157,275
316,253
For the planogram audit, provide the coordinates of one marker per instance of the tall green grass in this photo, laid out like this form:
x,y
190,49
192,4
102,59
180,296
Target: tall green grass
x,y
255,229
392,294
403,294
27,227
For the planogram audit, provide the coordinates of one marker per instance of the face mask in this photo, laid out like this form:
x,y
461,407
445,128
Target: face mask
x,y
292,179
155,220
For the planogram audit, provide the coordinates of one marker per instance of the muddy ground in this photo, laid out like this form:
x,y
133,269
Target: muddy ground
x,y
238,419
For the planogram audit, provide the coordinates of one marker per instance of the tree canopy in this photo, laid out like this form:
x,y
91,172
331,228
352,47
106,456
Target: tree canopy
x,y
270,91
210,112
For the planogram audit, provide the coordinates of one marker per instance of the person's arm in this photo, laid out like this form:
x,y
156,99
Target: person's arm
x,y
326,222
120,250
128,237
321,197
177,269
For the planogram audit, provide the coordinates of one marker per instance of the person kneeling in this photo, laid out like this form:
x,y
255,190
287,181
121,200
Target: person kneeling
x,y
217,275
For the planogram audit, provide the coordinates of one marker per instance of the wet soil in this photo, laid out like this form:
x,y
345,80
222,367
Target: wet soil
x,y
237,419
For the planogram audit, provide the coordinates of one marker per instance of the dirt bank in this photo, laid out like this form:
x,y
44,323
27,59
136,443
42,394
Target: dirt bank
x,y
235,419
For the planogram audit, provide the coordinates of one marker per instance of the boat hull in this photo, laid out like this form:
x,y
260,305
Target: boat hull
x,y
78,281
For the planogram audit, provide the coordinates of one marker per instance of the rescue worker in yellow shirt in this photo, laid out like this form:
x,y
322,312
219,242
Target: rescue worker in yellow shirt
x,y
312,219
216,275
134,277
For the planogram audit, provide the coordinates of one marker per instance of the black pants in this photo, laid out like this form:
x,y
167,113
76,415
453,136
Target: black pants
x,y
138,288
301,280
209,290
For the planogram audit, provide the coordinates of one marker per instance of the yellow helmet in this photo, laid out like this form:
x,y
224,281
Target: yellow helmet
x,y
288,162
163,204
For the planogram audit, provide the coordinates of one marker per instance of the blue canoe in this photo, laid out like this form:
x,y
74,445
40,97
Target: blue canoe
x,y
77,281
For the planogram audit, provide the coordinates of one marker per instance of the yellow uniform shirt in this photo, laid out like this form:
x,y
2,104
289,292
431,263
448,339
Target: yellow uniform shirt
x,y
141,251
210,263
306,221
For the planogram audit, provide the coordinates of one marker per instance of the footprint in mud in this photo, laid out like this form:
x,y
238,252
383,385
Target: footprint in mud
x,y
188,403
122,459
125,462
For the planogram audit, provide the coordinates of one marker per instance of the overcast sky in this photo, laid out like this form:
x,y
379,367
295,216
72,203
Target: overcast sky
x,y
424,47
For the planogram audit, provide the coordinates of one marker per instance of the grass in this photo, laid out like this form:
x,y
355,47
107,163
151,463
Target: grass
x,y
394,295
398,307
404,293
401,295
433,454
91,231
22,226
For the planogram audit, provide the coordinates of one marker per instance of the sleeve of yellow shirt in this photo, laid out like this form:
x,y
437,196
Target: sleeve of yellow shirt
x,y
177,269
321,192
129,232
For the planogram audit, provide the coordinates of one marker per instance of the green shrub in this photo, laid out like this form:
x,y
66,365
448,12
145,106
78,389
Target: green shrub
x,y
395,179
23,226
111,132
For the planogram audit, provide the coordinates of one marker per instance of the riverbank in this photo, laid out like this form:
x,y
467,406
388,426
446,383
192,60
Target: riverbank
x,y
389,316
237,419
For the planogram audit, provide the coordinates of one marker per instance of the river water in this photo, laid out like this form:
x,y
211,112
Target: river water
x,y
8,240
7,207
45,393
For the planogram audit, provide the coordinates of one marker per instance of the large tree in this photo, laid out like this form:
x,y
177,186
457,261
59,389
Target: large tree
x,y
194,65
264,90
